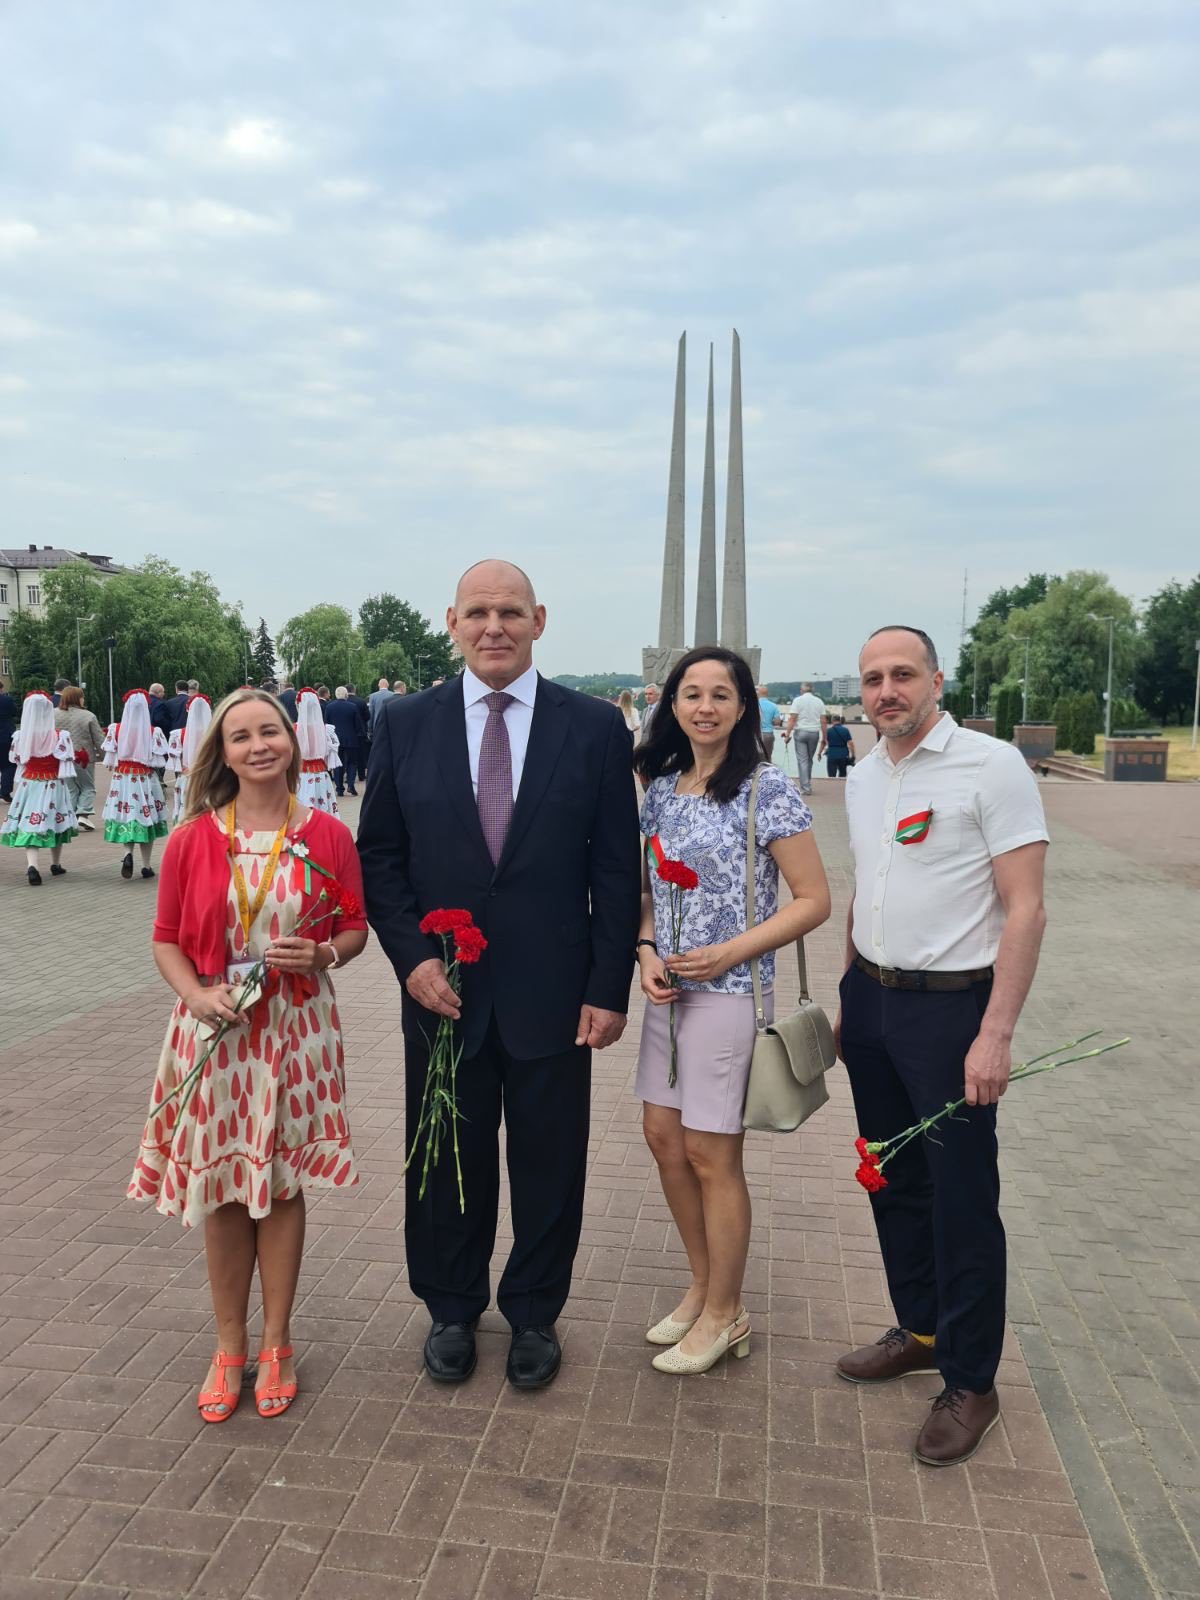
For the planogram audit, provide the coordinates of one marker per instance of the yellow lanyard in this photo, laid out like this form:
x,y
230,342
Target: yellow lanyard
x,y
247,913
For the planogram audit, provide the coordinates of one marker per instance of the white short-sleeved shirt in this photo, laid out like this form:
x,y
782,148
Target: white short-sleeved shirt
x,y
808,709
932,905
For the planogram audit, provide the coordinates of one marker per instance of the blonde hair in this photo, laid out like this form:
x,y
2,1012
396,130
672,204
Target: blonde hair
x,y
211,784
625,700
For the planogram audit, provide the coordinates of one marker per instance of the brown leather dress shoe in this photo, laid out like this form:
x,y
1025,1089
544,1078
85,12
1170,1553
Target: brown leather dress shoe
x,y
958,1424
890,1357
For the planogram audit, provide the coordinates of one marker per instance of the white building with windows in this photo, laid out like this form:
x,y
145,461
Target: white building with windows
x,y
845,689
22,583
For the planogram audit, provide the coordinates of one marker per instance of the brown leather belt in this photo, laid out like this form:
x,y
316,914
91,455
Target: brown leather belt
x,y
938,982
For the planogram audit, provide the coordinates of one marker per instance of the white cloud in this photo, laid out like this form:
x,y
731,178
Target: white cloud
x,y
1071,184
16,236
246,142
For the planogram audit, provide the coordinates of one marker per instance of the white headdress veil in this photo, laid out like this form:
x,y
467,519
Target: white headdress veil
x,y
134,741
38,736
199,716
310,726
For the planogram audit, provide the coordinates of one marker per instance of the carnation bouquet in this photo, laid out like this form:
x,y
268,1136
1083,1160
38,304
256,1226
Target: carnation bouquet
x,y
437,1121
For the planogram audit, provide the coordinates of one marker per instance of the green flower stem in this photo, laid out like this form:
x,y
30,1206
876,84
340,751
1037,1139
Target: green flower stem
x,y
1027,1069
439,1098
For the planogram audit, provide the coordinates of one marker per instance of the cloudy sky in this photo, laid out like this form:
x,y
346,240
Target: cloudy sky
x,y
331,299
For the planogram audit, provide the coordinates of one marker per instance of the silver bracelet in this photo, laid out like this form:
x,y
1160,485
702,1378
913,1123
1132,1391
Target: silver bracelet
x,y
328,944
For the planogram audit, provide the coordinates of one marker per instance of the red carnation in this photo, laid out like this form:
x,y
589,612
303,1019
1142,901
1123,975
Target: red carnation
x,y
347,903
678,873
469,945
870,1177
861,1146
443,922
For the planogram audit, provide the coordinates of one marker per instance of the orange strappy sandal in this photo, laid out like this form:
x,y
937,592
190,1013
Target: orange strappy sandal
x,y
224,1396
273,1389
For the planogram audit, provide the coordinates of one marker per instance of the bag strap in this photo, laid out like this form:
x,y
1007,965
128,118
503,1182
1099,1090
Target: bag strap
x,y
760,1018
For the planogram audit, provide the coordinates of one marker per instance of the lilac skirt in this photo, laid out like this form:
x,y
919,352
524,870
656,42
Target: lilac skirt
x,y
714,1038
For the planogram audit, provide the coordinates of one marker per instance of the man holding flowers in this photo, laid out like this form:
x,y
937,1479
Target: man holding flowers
x,y
507,797
942,941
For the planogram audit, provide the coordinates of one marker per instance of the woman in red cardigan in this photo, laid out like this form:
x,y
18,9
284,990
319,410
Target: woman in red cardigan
x,y
251,877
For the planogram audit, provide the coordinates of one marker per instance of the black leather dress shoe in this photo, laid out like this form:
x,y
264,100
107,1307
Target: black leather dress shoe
x,y
450,1351
534,1358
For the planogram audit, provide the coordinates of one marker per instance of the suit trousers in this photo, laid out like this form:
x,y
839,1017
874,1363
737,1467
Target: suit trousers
x,y
938,1220
345,775
546,1105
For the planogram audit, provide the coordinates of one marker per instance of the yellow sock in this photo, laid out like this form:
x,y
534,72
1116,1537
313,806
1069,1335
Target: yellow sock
x,y
923,1338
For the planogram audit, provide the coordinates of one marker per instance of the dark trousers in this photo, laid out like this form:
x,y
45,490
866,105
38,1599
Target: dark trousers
x,y
546,1106
938,1220
8,771
836,765
348,770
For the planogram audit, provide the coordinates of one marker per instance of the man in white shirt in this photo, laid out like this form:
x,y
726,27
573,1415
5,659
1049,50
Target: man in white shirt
x,y
942,941
805,726
505,795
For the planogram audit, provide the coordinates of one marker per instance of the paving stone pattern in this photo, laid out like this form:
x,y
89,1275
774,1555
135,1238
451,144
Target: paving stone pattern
x,y
771,1480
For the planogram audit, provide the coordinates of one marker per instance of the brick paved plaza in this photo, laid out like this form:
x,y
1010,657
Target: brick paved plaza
x,y
769,1481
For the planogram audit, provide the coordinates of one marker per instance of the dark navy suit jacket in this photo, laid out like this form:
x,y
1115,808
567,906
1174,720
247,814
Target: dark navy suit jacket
x,y
560,910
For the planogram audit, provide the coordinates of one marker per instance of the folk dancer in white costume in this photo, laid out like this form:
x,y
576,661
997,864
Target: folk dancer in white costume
x,y
135,811
320,754
41,816
182,747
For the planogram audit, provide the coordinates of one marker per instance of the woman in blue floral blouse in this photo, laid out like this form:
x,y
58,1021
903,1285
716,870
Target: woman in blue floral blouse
x,y
702,751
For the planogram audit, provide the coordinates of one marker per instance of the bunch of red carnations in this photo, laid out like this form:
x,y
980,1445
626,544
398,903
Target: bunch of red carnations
x,y
437,1123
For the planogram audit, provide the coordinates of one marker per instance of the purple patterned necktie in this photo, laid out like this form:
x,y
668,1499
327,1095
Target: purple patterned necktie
x,y
495,790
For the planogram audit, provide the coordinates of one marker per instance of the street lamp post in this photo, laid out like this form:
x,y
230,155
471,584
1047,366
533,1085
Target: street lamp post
x,y
1108,696
79,648
112,704
420,659
1196,708
1024,680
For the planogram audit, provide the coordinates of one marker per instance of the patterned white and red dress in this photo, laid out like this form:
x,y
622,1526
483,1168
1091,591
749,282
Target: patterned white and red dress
x,y
267,1117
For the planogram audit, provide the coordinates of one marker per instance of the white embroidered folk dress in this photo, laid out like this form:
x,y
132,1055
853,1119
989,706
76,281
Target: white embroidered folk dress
x,y
41,815
135,811
267,1116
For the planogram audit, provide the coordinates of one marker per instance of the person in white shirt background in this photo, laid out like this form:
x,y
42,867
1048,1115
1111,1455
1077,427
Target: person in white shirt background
x,y
805,727
949,844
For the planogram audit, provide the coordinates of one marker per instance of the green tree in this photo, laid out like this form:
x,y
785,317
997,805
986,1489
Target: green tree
x,y
1165,676
27,644
164,623
262,655
1008,709
386,619
322,645
389,660
1068,650
990,629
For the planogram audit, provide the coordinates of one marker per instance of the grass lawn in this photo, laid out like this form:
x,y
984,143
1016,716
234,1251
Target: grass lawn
x,y
1183,763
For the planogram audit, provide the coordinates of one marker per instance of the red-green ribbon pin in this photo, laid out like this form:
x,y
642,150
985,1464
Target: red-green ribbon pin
x,y
655,854
911,830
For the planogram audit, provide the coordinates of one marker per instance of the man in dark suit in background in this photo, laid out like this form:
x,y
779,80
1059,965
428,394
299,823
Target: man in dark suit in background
x,y
171,715
8,724
507,796
348,719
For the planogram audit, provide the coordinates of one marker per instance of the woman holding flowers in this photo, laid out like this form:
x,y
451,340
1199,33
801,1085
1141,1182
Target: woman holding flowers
x,y
694,951
258,901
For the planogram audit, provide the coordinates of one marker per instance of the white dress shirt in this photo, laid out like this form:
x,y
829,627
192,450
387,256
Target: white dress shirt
x,y
932,906
518,719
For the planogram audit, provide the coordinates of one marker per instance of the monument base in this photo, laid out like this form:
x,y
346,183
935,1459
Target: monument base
x,y
657,661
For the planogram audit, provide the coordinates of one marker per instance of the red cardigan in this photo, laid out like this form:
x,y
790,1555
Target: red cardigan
x,y
193,886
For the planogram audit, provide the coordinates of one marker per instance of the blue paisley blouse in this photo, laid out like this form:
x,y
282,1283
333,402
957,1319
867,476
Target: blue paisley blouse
x,y
711,839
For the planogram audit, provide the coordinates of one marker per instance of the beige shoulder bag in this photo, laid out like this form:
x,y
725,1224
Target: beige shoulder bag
x,y
792,1055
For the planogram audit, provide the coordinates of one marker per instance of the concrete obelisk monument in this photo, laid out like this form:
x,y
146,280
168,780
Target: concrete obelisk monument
x,y
733,593
657,660
706,571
